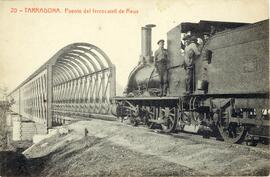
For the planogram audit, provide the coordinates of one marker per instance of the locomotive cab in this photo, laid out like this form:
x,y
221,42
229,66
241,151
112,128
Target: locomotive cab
x,y
204,31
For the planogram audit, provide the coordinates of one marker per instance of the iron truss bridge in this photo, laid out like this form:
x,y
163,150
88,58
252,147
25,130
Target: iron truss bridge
x,y
79,80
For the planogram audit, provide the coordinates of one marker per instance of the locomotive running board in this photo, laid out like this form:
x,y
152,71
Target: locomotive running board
x,y
147,98
235,95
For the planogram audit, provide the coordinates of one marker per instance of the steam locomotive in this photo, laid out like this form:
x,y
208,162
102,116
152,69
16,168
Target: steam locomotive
x,y
230,83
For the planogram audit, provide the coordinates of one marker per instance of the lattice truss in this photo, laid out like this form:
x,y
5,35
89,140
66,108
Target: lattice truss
x,y
83,82
79,80
30,99
34,98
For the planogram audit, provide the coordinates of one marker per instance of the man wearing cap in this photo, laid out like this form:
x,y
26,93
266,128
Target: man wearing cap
x,y
161,59
191,52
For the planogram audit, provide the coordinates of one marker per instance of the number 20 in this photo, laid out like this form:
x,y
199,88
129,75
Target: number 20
x,y
13,10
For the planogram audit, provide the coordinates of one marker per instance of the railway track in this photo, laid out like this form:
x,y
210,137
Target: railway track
x,y
213,140
197,138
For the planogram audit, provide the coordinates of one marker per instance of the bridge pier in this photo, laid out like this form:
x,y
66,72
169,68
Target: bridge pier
x,y
24,129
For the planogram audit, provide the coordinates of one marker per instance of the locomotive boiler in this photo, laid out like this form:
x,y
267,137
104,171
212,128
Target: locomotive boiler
x,y
230,83
144,80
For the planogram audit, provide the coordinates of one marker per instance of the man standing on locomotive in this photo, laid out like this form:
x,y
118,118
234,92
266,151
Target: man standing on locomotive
x,y
191,52
161,59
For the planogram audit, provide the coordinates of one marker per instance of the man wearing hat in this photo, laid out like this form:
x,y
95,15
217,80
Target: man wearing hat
x,y
191,52
161,59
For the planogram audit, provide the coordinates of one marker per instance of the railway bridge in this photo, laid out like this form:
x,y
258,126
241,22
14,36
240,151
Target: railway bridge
x,y
78,81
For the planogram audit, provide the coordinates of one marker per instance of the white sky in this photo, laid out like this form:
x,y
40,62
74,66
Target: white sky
x,y
28,40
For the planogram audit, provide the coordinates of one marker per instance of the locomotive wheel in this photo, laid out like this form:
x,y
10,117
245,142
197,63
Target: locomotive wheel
x,y
196,118
134,121
146,121
230,132
180,123
169,123
134,116
149,115
150,125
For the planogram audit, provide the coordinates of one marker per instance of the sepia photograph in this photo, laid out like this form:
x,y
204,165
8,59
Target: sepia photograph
x,y
134,88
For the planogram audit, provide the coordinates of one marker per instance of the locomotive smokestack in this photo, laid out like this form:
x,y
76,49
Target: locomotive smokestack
x,y
146,53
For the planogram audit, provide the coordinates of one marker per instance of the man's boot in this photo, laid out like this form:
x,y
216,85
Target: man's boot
x,y
161,90
164,90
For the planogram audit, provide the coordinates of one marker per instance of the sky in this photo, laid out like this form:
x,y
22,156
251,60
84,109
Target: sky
x,y
28,40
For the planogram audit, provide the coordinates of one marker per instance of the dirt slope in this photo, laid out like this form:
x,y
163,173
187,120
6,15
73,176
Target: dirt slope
x,y
76,155
113,149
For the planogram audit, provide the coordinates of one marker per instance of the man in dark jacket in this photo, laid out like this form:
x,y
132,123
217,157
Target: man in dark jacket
x,y
161,59
191,52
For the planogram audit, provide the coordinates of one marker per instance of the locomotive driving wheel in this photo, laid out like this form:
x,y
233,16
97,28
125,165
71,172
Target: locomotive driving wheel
x,y
194,114
170,121
149,115
133,116
231,132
